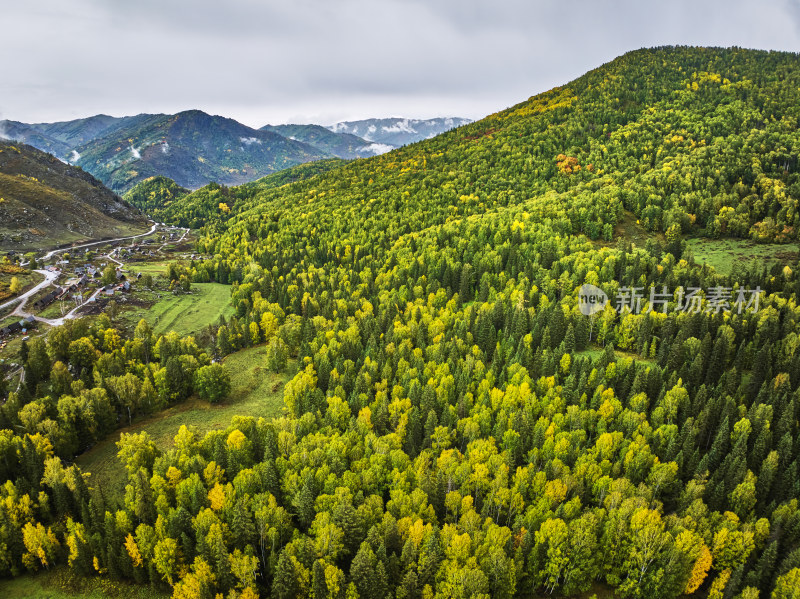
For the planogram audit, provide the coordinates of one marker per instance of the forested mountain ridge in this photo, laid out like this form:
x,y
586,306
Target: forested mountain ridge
x,y
650,148
457,427
154,194
79,132
192,148
63,138
24,133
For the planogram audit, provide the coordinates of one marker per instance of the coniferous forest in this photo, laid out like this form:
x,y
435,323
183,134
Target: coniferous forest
x,y
454,425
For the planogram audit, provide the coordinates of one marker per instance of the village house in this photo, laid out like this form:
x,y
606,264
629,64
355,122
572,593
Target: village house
x,y
11,329
27,323
48,299
18,327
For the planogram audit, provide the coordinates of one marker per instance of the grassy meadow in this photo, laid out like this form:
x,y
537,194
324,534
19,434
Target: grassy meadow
x,y
62,584
185,313
723,253
255,392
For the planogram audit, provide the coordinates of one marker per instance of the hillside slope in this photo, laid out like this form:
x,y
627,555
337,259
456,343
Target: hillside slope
x,y
433,291
46,202
457,424
154,194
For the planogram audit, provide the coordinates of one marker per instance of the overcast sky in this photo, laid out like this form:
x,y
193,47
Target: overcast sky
x,y
262,61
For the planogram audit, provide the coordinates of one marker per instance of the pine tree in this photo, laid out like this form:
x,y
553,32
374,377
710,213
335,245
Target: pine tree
x,y
242,525
430,557
569,340
319,587
363,572
285,584
761,574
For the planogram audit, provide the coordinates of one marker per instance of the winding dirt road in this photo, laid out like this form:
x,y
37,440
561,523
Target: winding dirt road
x,y
49,277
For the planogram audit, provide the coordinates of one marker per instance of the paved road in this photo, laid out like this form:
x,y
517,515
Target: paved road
x,y
49,277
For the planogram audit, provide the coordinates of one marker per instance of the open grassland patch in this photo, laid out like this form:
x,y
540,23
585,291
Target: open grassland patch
x,y
62,583
255,392
722,254
186,313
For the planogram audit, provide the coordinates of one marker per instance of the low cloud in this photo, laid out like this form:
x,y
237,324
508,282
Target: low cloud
x,y
403,126
135,153
250,140
4,132
375,149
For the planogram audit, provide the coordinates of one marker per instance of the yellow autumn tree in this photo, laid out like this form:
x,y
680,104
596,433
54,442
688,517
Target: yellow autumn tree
x,y
41,544
198,583
718,586
236,440
133,551
699,571
15,286
787,586
217,497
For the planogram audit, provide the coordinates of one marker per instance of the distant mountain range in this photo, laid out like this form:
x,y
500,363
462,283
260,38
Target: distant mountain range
x,y
396,132
340,145
194,148
45,202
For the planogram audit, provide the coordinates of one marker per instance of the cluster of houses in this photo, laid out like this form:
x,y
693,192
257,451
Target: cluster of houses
x,y
18,327
70,286
88,271
133,249
122,284
84,276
